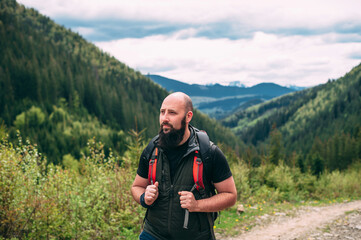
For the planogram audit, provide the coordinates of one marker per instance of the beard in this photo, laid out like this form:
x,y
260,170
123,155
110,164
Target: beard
x,y
173,137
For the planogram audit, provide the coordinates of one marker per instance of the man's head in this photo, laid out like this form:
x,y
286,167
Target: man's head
x,y
175,114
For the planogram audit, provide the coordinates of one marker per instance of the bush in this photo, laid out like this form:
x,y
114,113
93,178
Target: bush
x,y
240,173
31,118
40,201
281,179
339,184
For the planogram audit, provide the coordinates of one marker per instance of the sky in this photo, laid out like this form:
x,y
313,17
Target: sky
x,y
287,42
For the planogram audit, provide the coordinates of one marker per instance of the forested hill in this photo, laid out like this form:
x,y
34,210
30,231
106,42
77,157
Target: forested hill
x,y
322,123
60,90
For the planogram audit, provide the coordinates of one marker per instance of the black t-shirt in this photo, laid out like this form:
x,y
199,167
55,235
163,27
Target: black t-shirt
x,y
220,170
174,155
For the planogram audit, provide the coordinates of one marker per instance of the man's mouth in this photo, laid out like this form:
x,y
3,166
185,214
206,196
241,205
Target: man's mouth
x,y
166,128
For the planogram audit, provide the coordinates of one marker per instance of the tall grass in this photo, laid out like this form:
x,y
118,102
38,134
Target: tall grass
x,y
90,201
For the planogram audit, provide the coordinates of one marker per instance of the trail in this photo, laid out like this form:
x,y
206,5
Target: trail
x,y
306,224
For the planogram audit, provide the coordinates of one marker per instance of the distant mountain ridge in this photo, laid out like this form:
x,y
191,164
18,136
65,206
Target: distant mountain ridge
x,y
218,100
218,90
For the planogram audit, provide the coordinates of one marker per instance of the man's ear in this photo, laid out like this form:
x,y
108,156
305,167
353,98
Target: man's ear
x,y
189,116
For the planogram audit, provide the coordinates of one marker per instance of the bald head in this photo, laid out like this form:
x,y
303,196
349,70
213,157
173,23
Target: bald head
x,y
182,98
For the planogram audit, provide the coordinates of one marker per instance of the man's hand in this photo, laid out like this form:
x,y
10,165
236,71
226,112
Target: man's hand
x,y
188,201
151,193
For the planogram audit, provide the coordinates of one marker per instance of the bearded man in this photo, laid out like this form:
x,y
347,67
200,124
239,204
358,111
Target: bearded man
x,y
175,209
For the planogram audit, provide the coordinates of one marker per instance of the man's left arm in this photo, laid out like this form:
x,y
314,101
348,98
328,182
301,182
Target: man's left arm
x,y
226,197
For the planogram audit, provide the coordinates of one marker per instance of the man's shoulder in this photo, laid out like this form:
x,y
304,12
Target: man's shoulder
x,y
150,147
206,146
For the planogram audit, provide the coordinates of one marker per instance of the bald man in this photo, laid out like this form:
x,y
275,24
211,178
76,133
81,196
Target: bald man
x,y
171,197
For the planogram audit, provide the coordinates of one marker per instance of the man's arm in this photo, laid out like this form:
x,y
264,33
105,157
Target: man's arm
x,y
226,197
140,186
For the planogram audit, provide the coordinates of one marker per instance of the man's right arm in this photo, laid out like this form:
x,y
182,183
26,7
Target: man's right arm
x,y
140,186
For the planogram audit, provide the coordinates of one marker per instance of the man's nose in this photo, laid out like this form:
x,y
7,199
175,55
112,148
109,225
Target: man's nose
x,y
164,117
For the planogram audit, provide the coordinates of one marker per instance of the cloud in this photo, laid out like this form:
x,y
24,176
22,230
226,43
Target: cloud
x,y
262,58
107,29
238,16
210,41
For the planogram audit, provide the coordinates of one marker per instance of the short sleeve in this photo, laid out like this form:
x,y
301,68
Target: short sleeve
x,y
220,168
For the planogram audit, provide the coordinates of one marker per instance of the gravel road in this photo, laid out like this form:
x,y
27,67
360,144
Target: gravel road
x,y
336,221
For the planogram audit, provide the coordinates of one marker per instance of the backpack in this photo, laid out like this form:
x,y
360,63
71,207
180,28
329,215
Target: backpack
x,y
205,150
201,158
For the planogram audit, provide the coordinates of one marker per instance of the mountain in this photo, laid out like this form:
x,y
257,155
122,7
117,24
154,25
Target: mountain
x,y
217,100
322,124
60,90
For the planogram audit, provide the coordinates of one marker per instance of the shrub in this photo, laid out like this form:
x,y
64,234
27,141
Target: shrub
x,y
31,118
339,184
281,179
240,173
45,201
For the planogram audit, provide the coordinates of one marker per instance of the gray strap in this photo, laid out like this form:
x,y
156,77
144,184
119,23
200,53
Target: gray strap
x,y
186,216
186,219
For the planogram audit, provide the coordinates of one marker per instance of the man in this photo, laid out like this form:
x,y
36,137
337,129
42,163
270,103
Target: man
x,y
169,199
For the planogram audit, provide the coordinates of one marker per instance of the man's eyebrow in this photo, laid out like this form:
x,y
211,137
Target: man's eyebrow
x,y
169,109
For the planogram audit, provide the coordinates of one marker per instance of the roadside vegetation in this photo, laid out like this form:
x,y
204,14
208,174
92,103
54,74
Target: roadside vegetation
x,y
89,198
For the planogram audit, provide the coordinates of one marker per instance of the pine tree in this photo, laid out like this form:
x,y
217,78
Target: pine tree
x,y
276,147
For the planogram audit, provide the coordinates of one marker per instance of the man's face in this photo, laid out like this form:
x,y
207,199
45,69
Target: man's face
x,y
173,122
172,113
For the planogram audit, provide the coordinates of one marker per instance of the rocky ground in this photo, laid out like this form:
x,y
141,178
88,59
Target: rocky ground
x,y
336,221
346,227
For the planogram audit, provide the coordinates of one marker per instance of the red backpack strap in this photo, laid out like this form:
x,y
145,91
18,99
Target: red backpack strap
x,y
152,170
198,183
198,172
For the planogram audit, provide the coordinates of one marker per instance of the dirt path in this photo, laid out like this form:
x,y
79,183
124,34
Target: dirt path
x,y
310,223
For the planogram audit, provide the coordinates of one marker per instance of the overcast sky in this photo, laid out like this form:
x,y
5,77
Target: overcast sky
x,y
288,42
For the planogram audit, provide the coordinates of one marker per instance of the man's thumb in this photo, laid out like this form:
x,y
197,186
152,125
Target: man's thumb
x,y
156,184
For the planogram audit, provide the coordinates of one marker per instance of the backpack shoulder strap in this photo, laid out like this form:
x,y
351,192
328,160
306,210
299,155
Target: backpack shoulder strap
x,y
152,155
152,170
202,157
202,161
150,147
204,145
